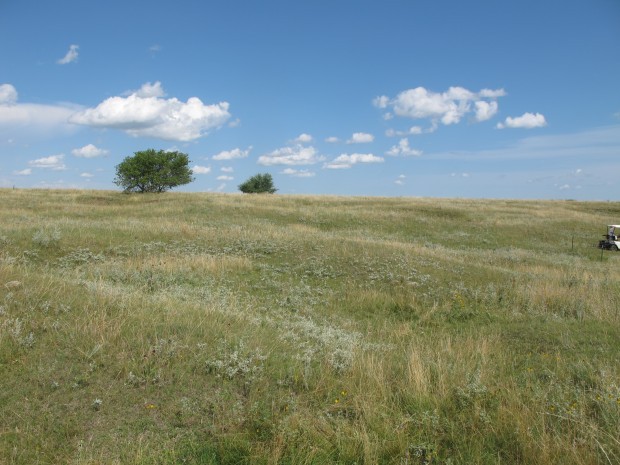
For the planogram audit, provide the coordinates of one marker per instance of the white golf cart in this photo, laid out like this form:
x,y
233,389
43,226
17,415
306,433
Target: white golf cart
x,y
611,241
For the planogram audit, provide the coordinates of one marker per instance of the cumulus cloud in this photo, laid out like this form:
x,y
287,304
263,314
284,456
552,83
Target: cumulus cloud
x,y
400,180
485,110
88,151
403,149
86,175
150,90
332,140
345,161
298,173
146,113
71,56
53,162
303,138
295,155
26,172
225,178
361,138
526,120
8,94
381,102
233,154
447,107
227,169
197,169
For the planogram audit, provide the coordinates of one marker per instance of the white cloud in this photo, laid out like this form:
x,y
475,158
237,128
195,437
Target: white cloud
x,y
34,118
381,101
71,55
403,149
332,140
412,131
227,169
233,154
485,110
298,173
459,93
88,151
296,155
490,93
225,178
53,162
145,113
345,161
26,172
361,138
303,138
400,180
150,90
87,175
197,169
447,107
421,103
8,94
526,120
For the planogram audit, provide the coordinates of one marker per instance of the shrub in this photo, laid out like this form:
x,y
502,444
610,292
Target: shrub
x,y
258,184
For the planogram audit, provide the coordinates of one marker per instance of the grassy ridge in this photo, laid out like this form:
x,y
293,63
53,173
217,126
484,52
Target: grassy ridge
x,y
212,329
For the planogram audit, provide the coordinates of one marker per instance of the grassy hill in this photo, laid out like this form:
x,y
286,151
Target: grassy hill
x,y
228,329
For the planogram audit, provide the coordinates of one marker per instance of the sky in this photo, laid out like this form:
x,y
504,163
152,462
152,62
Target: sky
x,y
431,98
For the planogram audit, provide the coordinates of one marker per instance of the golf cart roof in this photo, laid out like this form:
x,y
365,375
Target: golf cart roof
x,y
613,225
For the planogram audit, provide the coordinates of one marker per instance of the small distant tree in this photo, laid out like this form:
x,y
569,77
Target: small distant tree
x,y
258,184
153,171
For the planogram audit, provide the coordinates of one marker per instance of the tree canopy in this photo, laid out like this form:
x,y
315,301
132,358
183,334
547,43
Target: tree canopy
x,y
258,184
153,171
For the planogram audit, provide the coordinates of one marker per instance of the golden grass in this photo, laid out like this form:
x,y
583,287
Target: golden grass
x,y
220,328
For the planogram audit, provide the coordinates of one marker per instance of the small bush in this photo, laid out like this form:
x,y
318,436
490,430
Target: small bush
x,y
258,184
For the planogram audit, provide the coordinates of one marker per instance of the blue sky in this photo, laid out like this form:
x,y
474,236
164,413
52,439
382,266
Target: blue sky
x,y
487,99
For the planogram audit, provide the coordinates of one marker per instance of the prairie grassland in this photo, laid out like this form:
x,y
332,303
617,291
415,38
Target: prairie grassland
x,y
229,329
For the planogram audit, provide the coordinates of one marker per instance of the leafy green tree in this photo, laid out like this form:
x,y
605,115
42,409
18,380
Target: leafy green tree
x,y
258,184
153,171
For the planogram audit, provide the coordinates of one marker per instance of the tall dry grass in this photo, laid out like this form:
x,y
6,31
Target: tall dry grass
x,y
210,328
